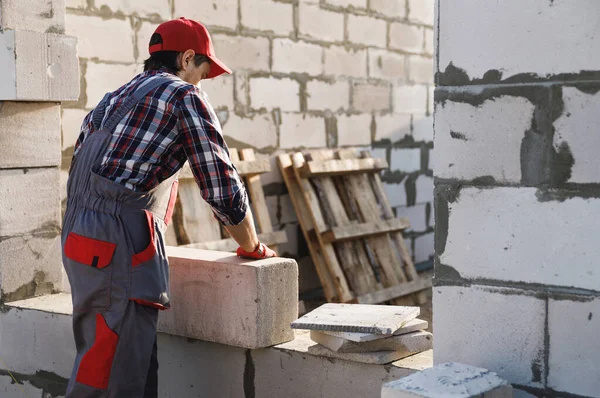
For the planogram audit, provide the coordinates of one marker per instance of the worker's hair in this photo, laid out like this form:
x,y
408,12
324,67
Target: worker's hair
x,y
168,59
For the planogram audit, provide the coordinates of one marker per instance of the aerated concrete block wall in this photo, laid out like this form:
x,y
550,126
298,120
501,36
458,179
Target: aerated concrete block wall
x,y
517,193
308,74
38,70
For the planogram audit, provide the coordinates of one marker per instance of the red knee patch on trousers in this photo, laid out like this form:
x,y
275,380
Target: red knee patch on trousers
x,y
96,364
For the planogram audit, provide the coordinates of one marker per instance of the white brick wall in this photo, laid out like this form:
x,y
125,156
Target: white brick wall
x,y
102,78
573,329
406,159
421,11
423,247
424,185
485,144
387,65
339,61
420,69
423,128
370,97
71,125
346,3
519,49
106,40
577,127
29,134
148,8
295,125
367,30
218,13
268,92
259,131
429,41
143,40
392,126
320,24
18,15
410,99
299,57
396,194
322,95
220,91
354,130
470,318
242,52
514,250
390,8
416,215
406,37
267,15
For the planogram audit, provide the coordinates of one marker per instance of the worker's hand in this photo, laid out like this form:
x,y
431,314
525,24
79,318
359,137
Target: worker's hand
x,y
261,251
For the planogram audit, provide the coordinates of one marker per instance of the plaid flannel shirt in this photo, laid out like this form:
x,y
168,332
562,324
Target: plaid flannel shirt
x,y
174,124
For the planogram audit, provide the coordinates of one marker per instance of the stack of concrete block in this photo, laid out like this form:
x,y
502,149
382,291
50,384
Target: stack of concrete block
x,y
376,334
449,380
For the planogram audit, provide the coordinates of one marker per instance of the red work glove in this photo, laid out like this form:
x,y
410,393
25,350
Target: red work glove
x,y
261,251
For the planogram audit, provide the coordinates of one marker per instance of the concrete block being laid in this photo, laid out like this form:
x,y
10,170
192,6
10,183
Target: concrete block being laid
x,y
375,358
221,298
411,343
451,380
411,326
360,318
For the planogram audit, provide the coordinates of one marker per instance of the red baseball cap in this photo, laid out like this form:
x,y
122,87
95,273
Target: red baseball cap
x,y
183,34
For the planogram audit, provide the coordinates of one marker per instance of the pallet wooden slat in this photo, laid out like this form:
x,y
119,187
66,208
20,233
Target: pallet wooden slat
x,y
336,167
364,230
392,292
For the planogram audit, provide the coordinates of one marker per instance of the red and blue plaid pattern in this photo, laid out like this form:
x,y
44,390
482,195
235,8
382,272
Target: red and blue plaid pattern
x,y
174,124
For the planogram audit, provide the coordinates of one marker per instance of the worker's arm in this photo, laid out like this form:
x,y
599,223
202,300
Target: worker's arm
x,y
219,182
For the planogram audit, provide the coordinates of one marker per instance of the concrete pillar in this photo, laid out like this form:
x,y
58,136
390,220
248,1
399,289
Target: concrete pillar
x,y
39,70
517,192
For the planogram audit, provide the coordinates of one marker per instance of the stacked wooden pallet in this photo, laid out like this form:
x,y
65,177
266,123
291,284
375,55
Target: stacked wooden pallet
x,y
366,333
355,241
194,224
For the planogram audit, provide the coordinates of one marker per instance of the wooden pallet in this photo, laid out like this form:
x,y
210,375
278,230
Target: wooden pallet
x,y
194,224
355,241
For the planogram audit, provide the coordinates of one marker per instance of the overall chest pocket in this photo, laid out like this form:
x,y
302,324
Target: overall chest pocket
x,y
88,265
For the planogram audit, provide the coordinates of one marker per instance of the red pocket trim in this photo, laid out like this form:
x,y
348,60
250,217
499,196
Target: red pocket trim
x,y
84,250
96,364
150,304
172,199
149,251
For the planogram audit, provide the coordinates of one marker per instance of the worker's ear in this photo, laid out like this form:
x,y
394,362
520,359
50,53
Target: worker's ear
x,y
187,59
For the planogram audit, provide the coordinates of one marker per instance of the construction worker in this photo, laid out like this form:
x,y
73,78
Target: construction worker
x,y
121,191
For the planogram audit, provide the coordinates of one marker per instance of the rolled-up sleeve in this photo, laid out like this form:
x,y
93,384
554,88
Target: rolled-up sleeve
x,y
219,182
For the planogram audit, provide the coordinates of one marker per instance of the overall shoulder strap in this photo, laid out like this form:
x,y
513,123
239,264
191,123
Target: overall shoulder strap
x,y
128,104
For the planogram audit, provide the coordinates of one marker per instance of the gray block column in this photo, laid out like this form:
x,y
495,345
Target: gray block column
x,y
39,70
517,191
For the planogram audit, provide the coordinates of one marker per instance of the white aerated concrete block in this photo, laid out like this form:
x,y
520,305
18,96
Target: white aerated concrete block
x,y
37,334
354,130
267,15
29,134
346,3
393,127
29,200
38,67
33,15
149,8
413,342
318,23
271,93
420,69
102,78
422,128
143,40
242,52
421,11
481,141
203,306
342,62
219,13
405,37
385,64
577,128
511,45
259,131
424,247
478,325
220,91
574,348
301,130
410,99
300,57
406,159
396,194
371,97
367,30
424,186
391,8
71,121
416,215
513,248
332,96
449,380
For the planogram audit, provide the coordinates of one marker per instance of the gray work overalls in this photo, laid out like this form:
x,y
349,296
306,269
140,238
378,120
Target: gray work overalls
x,y
114,255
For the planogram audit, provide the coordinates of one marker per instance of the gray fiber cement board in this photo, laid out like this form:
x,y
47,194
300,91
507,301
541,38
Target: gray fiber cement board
x,y
357,318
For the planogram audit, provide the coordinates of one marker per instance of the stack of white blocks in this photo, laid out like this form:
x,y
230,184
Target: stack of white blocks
x,y
376,334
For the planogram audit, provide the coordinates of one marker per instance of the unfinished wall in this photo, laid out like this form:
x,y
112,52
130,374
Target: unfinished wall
x,y
307,74
38,70
518,192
